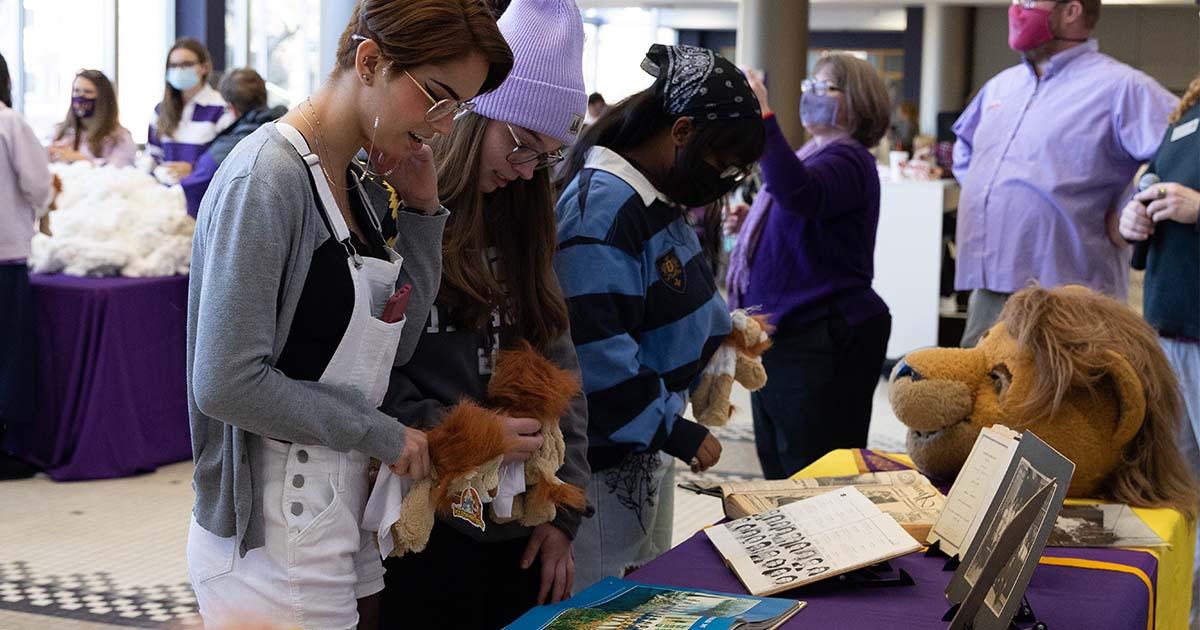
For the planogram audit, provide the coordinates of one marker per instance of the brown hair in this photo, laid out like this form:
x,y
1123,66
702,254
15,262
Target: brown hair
x,y
244,89
418,32
171,107
1190,97
1091,13
1072,334
518,221
105,119
868,106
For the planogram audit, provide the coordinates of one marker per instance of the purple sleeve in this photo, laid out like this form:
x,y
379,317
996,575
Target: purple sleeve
x,y
964,130
196,183
1140,116
153,146
830,181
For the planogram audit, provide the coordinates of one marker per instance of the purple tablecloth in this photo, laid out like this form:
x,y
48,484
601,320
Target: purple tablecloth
x,y
1063,597
111,372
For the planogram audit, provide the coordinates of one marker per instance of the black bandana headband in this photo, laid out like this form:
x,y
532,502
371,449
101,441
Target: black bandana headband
x,y
698,83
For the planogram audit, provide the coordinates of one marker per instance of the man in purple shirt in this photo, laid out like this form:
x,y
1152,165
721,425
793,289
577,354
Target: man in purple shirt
x,y
1046,155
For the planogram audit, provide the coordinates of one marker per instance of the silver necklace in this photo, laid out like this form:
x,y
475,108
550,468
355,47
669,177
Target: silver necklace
x,y
319,137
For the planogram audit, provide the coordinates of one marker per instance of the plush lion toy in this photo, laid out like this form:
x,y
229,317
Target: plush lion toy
x,y
527,385
738,359
1081,370
466,451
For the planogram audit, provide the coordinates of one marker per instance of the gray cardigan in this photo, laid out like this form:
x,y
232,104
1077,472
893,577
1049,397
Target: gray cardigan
x,y
257,230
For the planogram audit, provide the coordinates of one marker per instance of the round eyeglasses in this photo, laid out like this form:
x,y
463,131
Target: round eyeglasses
x,y
522,154
820,87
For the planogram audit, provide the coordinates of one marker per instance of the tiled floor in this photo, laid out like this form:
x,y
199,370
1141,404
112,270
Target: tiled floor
x,y
105,554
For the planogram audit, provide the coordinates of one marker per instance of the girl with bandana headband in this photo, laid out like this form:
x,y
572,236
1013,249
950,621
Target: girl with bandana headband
x,y
806,257
644,308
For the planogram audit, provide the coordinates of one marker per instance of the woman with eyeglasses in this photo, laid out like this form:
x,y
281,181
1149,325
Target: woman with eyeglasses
x,y
290,338
92,129
805,257
645,312
498,290
191,113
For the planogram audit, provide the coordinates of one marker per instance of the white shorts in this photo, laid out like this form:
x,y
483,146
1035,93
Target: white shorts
x,y
317,561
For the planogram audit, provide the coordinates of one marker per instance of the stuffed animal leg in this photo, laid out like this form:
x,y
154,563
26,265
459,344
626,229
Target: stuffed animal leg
x,y
464,451
739,359
527,385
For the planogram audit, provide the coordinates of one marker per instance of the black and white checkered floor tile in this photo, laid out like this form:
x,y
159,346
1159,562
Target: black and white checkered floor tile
x,y
96,598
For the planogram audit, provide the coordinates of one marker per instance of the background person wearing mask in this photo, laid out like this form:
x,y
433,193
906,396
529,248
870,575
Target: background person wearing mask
x,y
191,113
245,95
1165,214
26,190
646,315
92,128
1046,154
806,258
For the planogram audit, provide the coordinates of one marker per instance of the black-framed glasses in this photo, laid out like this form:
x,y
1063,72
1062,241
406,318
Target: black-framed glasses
x,y
1032,4
522,154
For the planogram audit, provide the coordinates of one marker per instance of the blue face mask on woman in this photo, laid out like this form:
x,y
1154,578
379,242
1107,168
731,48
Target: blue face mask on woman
x,y
818,111
183,79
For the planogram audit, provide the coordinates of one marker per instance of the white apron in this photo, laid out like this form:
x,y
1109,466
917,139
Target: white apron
x,y
317,560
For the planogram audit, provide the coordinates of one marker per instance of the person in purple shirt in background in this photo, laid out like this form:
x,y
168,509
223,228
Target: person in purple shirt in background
x,y
1046,155
805,257
191,113
245,94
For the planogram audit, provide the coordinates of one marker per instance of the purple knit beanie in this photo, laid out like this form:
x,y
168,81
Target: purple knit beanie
x,y
544,92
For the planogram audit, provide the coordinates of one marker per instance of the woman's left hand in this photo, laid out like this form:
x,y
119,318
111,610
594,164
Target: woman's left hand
x,y
1171,202
558,562
755,78
414,178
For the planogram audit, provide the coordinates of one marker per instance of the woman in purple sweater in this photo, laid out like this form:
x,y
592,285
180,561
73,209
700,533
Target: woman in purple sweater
x,y
805,258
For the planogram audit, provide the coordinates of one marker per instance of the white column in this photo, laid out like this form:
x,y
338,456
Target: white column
x,y
773,36
943,62
335,14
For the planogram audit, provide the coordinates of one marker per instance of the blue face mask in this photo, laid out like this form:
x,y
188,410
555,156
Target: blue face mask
x,y
818,110
183,79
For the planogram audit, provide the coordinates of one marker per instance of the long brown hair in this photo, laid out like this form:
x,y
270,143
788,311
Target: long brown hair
x,y
518,221
418,32
1072,335
1187,102
106,120
171,107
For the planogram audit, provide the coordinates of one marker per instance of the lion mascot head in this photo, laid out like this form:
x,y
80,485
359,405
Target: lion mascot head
x,y
1082,371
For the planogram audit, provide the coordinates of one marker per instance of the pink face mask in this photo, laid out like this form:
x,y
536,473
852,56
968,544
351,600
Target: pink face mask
x,y
1028,28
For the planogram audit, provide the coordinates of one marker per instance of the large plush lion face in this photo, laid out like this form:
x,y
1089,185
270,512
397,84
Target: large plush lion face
x,y
1080,370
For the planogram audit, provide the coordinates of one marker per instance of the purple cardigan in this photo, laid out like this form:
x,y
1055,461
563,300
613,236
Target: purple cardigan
x,y
817,248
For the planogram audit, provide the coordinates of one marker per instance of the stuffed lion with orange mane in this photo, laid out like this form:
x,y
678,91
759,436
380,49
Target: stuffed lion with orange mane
x,y
1082,370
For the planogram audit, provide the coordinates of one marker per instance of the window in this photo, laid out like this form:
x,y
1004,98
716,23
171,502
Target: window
x,y
54,49
145,32
46,42
620,37
284,43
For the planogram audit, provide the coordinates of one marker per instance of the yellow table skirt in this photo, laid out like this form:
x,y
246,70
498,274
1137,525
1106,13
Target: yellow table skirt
x,y
1174,580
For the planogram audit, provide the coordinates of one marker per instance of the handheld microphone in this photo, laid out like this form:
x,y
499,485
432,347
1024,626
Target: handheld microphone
x,y
1142,248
